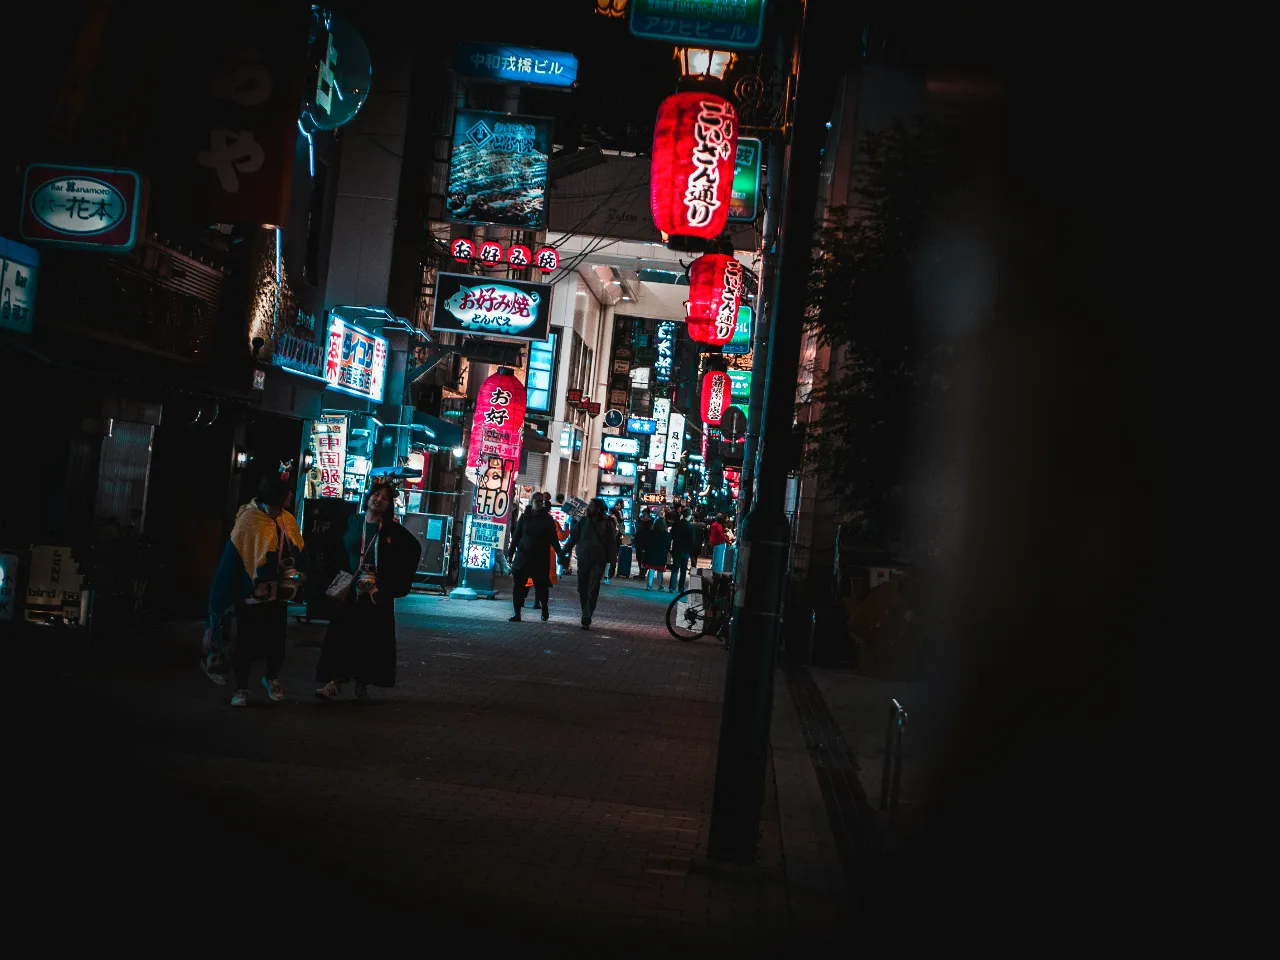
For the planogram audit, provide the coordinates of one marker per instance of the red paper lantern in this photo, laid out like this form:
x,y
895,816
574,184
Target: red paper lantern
x,y
695,140
497,433
519,256
717,390
608,461
463,249
547,259
491,252
715,291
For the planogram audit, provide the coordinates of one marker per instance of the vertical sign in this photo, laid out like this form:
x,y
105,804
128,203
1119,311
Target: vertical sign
x,y
741,342
8,585
675,438
744,195
19,265
666,350
330,433
658,442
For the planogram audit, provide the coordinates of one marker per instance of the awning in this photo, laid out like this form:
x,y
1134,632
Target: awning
x,y
536,442
434,431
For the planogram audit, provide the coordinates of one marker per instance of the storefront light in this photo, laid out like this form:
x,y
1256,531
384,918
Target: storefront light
x,y
713,64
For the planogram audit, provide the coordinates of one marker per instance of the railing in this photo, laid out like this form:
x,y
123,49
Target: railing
x,y
891,781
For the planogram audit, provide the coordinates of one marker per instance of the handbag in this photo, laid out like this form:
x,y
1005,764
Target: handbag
x,y
340,587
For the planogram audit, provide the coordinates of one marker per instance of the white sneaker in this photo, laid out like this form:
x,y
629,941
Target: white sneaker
x,y
330,691
241,698
362,692
275,689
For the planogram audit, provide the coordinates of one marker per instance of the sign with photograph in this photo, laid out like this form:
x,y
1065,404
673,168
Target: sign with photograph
x,y
355,361
744,195
504,64
19,267
499,308
85,208
498,169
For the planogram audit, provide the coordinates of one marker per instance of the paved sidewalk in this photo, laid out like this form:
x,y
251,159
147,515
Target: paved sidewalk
x,y
522,783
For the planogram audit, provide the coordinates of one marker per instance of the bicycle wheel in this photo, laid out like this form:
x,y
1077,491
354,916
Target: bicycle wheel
x,y
687,615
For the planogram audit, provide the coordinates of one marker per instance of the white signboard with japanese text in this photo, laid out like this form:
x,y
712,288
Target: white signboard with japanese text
x,y
675,437
658,442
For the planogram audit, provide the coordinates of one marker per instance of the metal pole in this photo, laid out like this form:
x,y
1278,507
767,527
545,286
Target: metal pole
x,y
748,696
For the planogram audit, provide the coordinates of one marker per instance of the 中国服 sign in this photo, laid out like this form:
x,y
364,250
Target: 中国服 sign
x,y
82,207
505,64
466,303
722,24
744,195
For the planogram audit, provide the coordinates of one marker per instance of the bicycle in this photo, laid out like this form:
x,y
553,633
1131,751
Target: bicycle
x,y
694,613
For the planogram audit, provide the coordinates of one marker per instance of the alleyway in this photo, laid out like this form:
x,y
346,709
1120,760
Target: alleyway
x,y
521,781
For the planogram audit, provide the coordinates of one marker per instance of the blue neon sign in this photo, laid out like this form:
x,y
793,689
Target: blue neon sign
x,y
499,62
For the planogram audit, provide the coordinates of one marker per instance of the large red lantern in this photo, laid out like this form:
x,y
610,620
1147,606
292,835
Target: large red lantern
x,y
497,433
715,291
695,140
717,390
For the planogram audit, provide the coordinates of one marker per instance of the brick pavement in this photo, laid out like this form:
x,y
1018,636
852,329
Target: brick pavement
x,y
521,781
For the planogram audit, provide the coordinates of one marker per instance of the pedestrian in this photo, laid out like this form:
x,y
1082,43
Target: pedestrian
x,y
640,539
537,537
719,544
383,556
257,578
657,546
595,537
682,534
615,514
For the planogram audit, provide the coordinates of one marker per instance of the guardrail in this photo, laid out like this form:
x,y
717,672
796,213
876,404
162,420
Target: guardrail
x,y
891,780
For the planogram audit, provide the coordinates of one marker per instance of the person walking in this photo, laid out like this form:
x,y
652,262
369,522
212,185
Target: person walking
x,y
615,515
360,644
594,536
681,550
537,538
640,539
254,579
657,546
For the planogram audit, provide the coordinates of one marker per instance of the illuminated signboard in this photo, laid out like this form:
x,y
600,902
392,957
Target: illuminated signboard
x,y
498,169
642,425
626,446
85,208
658,442
722,24
666,346
503,64
744,195
741,342
625,468
19,266
498,308
741,380
344,73
675,437
329,448
355,360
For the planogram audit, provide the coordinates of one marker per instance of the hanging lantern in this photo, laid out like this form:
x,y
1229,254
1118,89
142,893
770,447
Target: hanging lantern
x,y
497,432
715,293
716,393
519,256
462,249
695,140
491,252
547,259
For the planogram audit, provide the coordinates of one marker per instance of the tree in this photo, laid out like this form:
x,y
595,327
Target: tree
x,y
870,280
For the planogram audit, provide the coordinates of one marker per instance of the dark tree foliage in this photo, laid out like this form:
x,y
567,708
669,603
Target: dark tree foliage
x,y
870,276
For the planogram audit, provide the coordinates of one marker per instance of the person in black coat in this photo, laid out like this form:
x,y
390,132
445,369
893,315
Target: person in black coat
x,y
640,540
682,549
535,539
361,642
656,547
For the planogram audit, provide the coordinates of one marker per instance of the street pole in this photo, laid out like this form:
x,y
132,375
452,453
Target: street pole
x,y
763,545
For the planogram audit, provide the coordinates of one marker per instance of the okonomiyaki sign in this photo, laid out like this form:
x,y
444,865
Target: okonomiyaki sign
x,y
509,308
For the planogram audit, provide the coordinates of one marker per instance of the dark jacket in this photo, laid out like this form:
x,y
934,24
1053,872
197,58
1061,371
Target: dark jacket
x,y
535,535
596,541
682,536
398,553
618,530
644,527
657,545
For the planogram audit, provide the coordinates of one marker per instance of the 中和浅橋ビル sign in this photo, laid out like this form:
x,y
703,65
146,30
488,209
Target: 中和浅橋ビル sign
x,y
722,24
83,207
499,308
505,64
498,169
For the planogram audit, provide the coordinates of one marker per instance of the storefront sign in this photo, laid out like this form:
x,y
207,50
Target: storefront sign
x,y
510,308
498,169
497,427
355,361
722,24
343,72
503,64
626,468
82,207
614,418
489,534
642,425
741,342
675,438
546,259
329,445
744,198
462,249
53,583
666,348
19,268
741,380
615,480
658,442
625,446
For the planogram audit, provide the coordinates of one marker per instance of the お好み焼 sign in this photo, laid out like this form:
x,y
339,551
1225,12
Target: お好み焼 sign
x,y
83,207
508,308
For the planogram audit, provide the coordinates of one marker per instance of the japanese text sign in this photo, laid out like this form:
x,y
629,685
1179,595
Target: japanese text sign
x,y
666,347
675,438
741,342
19,266
510,308
329,441
658,442
83,207
497,433
744,197
498,169
504,64
355,360
623,446
722,24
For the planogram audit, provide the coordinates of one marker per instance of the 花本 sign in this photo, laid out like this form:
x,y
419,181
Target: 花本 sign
x,y
741,342
82,207
745,193
508,308
498,169
19,267
355,361
504,64
723,24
